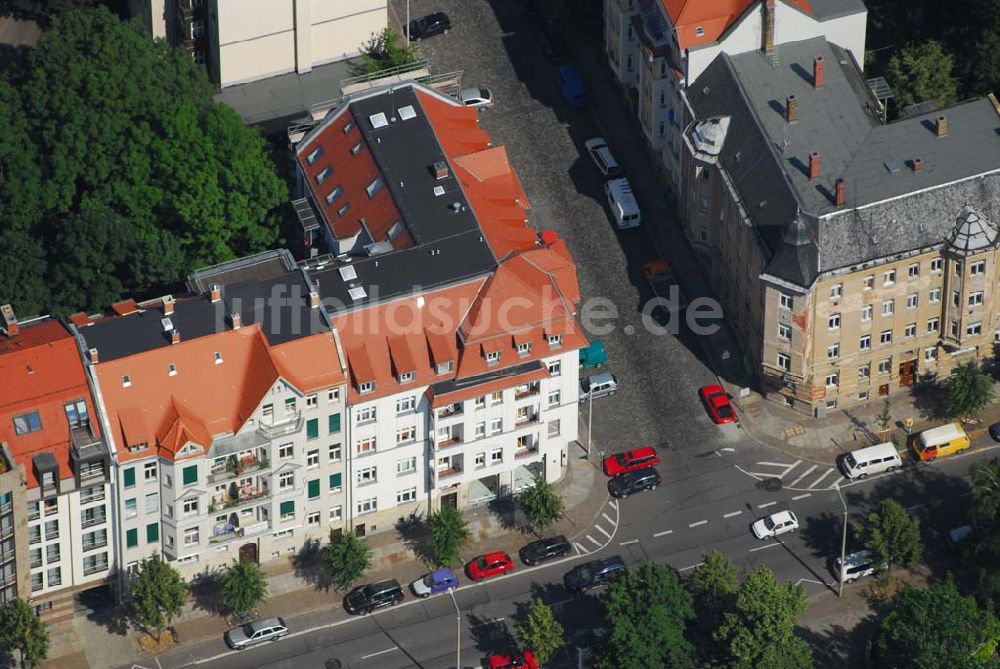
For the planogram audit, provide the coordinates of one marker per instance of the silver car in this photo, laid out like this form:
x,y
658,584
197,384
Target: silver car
x,y
259,631
479,96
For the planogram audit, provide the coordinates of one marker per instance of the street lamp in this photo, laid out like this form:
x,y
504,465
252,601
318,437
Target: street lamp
x,y
590,413
843,544
407,29
458,627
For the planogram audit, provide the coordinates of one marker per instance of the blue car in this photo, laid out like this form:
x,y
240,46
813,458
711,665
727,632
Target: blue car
x,y
572,86
436,581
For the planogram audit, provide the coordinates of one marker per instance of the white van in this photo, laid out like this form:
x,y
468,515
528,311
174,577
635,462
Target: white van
x,y
623,206
871,460
855,566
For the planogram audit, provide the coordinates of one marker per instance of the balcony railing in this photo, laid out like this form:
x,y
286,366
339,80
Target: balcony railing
x,y
6,531
526,452
92,497
224,533
94,568
36,586
454,441
91,474
36,563
526,391
6,508
244,466
228,502
34,515
451,471
288,424
51,510
94,520
54,581
9,555
95,544
450,410
49,536
53,557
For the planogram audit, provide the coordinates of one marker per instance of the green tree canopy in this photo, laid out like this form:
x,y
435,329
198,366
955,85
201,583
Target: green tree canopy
x,y
344,560
541,632
158,593
984,548
22,630
140,176
969,390
243,587
448,531
647,611
892,535
383,51
760,630
936,627
920,72
713,585
541,504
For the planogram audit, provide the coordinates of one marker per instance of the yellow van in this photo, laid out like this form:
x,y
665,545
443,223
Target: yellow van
x,y
940,441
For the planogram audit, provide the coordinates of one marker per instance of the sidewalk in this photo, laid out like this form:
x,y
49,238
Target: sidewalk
x,y
293,586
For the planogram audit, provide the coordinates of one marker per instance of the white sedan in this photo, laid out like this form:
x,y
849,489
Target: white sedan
x,y
602,157
775,525
476,97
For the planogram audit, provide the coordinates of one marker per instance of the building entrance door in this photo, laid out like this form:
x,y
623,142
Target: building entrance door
x,y
907,372
450,499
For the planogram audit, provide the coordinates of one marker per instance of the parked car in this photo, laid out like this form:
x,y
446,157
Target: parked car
x,y
621,202
593,574
479,96
717,403
855,566
572,86
637,458
437,23
598,385
374,596
436,581
593,355
259,631
774,525
632,482
489,565
995,431
525,660
960,535
545,549
601,155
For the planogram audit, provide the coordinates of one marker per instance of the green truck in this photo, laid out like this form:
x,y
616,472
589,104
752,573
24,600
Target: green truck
x,y
593,355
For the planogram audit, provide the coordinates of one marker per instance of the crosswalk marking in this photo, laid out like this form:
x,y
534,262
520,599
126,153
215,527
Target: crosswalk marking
x,y
817,481
613,504
602,531
608,518
579,549
807,473
595,541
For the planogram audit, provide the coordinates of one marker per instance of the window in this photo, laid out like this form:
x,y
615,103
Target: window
x,y
834,322
888,307
784,301
91,564
368,505
191,536
312,428
333,195
954,328
864,371
76,413
976,298
930,354
365,415
153,533
933,324
336,514
406,465
496,456
366,445
190,475
406,435
407,495
978,267
312,488
869,282
480,460
267,410
889,277
197,29
131,538
286,451
784,331
554,428
935,295
335,482
189,506
913,270
344,209
497,397
312,458
836,291
863,395
286,480
865,342
784,362
555,368
911,301
831,380
152,502
885,366
149,471
406,377
29,422
974,328
290,404
886,337
833,351
367,475
131,508
554,398
480,430
53,554
866,313
496,426
555,340
480,401
313,519
492,357
406,404
312,401
366,387
936,264
335,452
324,174
445,367
287,510
314,155
333,395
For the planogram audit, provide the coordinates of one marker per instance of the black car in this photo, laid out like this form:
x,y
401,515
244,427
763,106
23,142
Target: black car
x,y
545,549
632,482
995,431
427,26
593,574
374,596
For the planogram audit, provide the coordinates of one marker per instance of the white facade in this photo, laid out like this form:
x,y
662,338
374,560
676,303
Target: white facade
x,y
153,14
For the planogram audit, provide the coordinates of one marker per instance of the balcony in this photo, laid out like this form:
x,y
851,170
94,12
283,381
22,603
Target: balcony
x,y
450,410
51,509
450,471
223,533
233,467
90,498
453,441
526,452
89,456
95,567
91,545
36,563
90,521
286,425
237,496
526,390
523,420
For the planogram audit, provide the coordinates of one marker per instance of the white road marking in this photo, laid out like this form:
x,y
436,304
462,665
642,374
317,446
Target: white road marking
x,y
812,580
663,533
802,496
691,566
808,472
817,481
731,514
779,464
381,652
596,542
728,448
602,531
765,505
628,543
764,547
608,518
580,549
613,504
751,474
700,522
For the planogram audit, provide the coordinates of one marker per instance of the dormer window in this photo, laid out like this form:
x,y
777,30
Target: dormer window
x,y
324,174
366,387
356,149
348,127
343,210
126,381
314,155
493,357
524,348
374,187
29,422
699,31
555,340
334,194
445,367
171,369
218,358
406,377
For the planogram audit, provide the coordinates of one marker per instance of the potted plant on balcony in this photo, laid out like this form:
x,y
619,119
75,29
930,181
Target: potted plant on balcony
x,y
263,463
232,465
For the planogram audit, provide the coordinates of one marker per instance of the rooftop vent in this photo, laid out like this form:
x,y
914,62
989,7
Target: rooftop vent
x,y
215,291
892,166
438,191
167,324
347,273
917,164
455,206
10,320
407,112
168,305
440,169
357,293
378,120
175,336
941,126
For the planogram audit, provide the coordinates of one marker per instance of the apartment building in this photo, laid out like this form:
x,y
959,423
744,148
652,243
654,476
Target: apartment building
x,y
852,257
456,317
224,414
656,48
55,531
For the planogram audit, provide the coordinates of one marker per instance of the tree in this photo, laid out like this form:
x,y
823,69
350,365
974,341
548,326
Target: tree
x,y
383,51
922,72
892,535
986,492
713,585
158,593
21,629
935,627
541,632
243,587
970,389
541,504
760,630
448,532
646,612
344,560
884,419
984,548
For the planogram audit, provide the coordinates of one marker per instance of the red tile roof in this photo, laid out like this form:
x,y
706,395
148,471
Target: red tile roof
x,y
714,17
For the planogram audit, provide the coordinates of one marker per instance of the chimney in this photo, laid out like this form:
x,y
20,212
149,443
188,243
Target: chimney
x,y
814,166
941,126
918,164
10,321
440,170
791,109
839,191
215,292
94,359
168,305
767,37
234,318
175,336
818,64
314,298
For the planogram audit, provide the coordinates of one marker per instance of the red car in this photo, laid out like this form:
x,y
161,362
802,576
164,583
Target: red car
x,y
717,402
525,660
619,463
491,564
